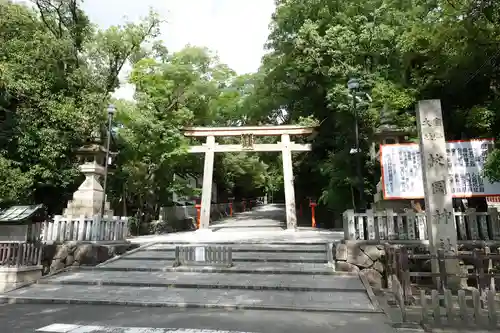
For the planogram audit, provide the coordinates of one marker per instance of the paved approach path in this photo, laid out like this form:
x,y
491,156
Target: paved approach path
x,y
284,273
262,224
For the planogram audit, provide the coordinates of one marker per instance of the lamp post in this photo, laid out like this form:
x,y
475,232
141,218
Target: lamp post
x,y
111,111
353,86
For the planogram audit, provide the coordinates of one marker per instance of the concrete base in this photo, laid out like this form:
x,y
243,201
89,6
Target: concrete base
x,y
13,277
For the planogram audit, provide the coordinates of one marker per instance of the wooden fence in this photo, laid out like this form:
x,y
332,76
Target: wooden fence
x,y
440,307
20,254
398,265
388,225
82,228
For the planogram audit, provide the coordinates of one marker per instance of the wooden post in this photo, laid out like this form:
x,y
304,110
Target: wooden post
x,y
443,275
313,217
438,201
370,224
81,228
494,222
198,215
348,224
291,213
208,171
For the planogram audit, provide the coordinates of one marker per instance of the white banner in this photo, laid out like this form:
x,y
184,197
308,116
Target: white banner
x,y
402,170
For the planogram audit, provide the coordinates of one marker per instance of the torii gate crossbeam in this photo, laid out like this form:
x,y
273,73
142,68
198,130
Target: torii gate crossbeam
x,y
286,146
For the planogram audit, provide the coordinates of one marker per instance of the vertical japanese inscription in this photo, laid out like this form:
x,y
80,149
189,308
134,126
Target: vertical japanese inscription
x,y
435,161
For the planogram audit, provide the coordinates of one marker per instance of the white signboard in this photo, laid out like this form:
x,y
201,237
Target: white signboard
x,y
402,169
199,253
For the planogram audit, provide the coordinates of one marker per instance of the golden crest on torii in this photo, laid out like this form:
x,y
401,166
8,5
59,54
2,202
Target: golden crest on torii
x,y
247,141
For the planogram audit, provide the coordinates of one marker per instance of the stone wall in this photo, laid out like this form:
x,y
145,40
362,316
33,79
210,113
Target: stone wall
x,y
369,259
59,256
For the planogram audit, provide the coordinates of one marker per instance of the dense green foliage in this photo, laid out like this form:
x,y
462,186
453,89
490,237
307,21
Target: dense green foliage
x,y
57,71
402,51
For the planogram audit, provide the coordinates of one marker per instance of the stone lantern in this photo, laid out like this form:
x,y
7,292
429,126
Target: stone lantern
x,y
87,200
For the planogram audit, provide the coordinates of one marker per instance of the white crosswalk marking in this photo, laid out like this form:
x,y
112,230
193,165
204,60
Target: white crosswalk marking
x,y
71,328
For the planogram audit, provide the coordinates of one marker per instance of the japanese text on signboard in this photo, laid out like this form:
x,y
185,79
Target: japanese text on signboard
x,y
402,170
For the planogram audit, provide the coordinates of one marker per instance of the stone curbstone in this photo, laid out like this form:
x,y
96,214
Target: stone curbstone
x,y
243,250
184,269
39,300
369,291
198,286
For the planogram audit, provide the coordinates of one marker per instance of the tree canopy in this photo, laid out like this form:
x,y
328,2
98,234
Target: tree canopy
x,y
58,70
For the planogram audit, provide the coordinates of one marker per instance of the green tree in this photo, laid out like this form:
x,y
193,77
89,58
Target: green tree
x,y
401,52
56,73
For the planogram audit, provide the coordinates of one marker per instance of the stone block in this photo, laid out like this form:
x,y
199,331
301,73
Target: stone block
x,y
353,254
378,266
360,259
12,277
372,251
342,266
373,277
341,252
76,254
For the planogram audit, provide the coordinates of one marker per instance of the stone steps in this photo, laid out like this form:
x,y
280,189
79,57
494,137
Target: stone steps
x,y
271,275
250,281
240,256
242,267
354,301
282,248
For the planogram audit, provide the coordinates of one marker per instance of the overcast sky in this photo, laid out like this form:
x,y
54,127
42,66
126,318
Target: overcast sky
x,y
235,29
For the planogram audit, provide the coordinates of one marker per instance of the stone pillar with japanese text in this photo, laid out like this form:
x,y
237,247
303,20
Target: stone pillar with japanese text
x,y
437,190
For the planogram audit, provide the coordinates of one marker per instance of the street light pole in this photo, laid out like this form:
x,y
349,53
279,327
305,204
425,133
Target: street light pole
x,y
353,86
111,111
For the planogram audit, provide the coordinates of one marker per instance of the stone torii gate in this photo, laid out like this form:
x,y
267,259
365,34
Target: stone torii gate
x,y
247,134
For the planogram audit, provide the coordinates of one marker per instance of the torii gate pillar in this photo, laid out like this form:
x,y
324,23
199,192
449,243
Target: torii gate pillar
x,y
291,212
208,172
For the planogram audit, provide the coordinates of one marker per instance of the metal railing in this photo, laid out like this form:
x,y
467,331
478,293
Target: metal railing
x,y
206,255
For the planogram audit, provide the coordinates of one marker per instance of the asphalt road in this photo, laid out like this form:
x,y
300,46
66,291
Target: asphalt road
x,y
28,318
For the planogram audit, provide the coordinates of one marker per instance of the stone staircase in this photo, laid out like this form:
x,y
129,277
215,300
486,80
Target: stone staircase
x,y
277,275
